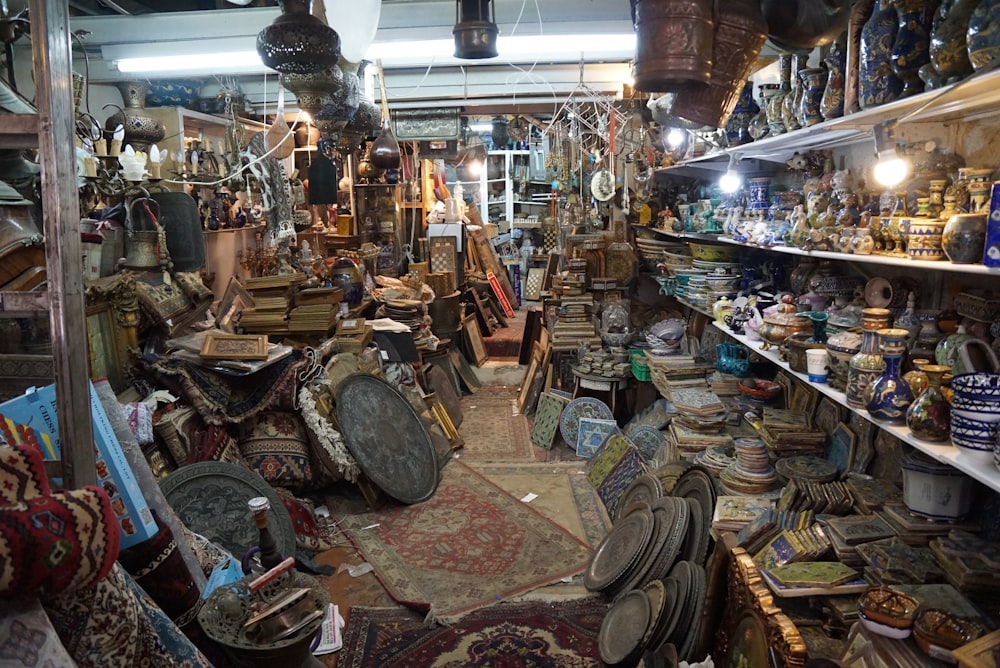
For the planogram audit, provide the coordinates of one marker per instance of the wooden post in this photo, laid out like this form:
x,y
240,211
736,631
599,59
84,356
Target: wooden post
x,y
50,51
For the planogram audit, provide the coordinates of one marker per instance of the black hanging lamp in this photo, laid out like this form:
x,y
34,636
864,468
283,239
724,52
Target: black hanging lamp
x,y
475,29
297,42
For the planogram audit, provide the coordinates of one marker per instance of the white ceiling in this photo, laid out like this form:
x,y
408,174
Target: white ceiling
x,y
485,86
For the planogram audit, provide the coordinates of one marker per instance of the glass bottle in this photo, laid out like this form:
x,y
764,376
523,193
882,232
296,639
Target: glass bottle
x,y
929,416
867,364
889,395
270,556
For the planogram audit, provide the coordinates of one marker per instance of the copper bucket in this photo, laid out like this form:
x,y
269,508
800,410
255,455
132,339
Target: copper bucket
x,y
740,32
673,44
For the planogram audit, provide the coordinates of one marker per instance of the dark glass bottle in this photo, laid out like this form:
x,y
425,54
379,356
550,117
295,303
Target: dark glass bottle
x,y
269,554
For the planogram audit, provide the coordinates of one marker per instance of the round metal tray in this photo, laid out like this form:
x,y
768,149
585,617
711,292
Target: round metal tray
x,y
211,498
387,438
624,628
619,551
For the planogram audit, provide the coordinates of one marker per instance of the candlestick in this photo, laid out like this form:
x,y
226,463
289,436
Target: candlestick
x,y
116,147
154,170
90,165
101,147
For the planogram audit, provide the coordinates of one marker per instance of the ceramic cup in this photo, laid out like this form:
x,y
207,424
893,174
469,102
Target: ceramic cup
x,y
817,365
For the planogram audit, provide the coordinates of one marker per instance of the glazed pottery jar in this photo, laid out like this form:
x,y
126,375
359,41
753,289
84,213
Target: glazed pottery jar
x,y
910,48
983,38
759,195
929,416
949,47
934,490
792,102
877,83
924,239
840,348
814,82
916,377
738,125
861,12
776,101
867,364
889,395
964,237
832,103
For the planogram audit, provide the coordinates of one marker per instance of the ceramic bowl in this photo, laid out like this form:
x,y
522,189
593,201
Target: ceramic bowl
x,y
935,490
936,631
884,629
713,253
758,388
980,385
889,607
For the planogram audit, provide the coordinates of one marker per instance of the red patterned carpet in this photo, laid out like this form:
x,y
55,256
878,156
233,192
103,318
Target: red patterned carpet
x,y
469,546
519,635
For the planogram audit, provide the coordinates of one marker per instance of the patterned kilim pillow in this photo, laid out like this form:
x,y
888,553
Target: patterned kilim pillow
x,y
276,445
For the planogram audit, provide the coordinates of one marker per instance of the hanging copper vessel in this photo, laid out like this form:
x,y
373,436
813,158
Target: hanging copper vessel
x,y
805,24
475,29
739,35
673,44
297,41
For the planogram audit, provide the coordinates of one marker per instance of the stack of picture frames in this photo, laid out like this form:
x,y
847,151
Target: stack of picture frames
x,y
538,378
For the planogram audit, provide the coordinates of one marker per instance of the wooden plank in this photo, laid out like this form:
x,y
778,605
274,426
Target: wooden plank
x,y
50,52
29,303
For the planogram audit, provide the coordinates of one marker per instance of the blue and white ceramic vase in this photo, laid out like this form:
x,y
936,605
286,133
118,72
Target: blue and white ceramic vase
x,y
889,395
758,199
877,83
911,48
814,85
867,363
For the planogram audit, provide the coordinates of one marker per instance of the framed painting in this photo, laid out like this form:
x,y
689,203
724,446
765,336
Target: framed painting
x,y
234,301
112,318
234,347
474,340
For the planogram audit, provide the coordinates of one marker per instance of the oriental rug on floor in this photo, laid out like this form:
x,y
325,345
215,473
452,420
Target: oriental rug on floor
x,y
469,546
506,635
492,428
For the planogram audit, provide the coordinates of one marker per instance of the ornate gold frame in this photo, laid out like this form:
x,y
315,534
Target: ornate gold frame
x,y
112,328
748,591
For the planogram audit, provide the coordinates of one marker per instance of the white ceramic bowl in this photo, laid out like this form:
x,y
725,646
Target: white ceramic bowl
x,y
884,629
980,385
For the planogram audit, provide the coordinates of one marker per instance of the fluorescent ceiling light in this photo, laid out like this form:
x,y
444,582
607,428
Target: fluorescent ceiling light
x,y
481,127
520,49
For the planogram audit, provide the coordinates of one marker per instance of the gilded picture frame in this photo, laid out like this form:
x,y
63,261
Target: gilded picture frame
x,y
112,319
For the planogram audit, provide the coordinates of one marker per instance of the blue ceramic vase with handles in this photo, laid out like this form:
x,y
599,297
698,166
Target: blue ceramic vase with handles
x,y
911,48
889,395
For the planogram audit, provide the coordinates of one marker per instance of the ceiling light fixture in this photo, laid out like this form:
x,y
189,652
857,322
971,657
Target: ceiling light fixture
x,y
475,30
297,42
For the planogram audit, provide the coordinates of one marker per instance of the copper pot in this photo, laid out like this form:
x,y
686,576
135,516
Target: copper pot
x,y
673,44
781,324
739,34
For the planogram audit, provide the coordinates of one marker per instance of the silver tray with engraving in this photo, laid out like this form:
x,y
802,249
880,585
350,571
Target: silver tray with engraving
x,y
387,438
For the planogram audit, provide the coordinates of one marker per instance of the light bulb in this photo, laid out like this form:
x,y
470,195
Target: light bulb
x,y
675,137
730,182
890,171
474,168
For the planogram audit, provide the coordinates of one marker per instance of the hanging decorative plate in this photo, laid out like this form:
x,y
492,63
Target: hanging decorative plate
x,y
648,440
602,185
624,627
584,407
619,551
387,438
210,498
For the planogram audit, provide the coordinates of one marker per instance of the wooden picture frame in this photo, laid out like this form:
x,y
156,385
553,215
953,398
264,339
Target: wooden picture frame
x,y
482,310
350,326
234,300
440,413
234,347
530,378
474,340
112,317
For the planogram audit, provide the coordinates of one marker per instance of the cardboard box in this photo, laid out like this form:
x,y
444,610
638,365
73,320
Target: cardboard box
x,y
37,410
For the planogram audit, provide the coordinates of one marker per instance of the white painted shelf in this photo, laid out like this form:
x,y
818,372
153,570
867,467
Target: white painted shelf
x,y
980,467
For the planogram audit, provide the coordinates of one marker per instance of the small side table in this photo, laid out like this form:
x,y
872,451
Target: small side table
x,y
604,388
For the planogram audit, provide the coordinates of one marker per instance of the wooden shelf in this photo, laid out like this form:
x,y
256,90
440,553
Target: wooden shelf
x,y
979,467
18,131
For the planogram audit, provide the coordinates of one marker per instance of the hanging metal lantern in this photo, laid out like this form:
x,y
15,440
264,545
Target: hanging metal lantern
x,y
499,133
475,29
297,41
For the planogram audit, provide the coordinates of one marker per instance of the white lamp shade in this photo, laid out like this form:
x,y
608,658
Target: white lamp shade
x,y
356,22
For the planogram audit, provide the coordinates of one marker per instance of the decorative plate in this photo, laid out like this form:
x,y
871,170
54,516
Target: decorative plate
x,y
677,517
646,488
619,551
806,468
569,422
684,573
648,440
387,438
671,613
697,484
602,185
641,574
657,595
623,629
591,434
211,499
878,292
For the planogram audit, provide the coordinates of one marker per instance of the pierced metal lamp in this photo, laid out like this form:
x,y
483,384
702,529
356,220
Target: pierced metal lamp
x,y
298,42
475,29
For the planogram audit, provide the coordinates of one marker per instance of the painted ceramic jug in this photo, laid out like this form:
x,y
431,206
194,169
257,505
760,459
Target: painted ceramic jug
x,y
929,416
949,47
832,103
877,83
889,395
910,49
